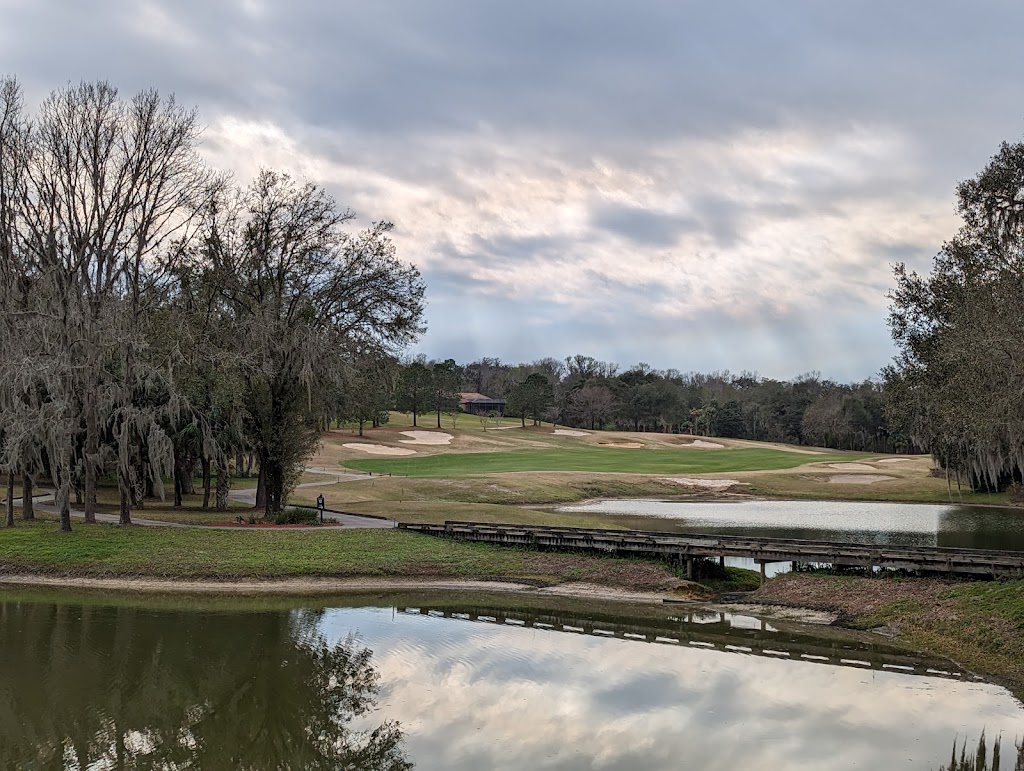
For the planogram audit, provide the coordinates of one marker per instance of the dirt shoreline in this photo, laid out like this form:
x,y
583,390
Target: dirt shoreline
x,y
318,586
322,586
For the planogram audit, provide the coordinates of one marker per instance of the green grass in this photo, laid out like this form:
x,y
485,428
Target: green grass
x,y
592,459
110,550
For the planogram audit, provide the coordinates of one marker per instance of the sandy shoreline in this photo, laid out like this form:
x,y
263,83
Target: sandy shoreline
x,y
321,586
316,586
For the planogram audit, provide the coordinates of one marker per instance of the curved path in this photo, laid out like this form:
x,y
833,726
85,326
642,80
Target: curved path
x,y
45,503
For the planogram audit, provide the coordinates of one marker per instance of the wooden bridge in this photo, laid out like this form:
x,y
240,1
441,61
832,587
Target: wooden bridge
x,y
685,547
719,632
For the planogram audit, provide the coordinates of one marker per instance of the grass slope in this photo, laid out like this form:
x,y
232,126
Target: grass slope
x,y
592,459
111,550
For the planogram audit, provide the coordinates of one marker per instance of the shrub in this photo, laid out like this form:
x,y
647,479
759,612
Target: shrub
x,y
296,516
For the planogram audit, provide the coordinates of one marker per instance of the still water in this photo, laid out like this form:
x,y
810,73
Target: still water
x,y
975,527
466,684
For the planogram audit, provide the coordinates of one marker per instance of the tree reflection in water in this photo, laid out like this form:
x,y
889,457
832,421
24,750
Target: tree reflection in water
x,y
127,688
979,759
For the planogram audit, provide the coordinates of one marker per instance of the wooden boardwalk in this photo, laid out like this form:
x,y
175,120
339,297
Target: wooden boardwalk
x,y
684,547
716,631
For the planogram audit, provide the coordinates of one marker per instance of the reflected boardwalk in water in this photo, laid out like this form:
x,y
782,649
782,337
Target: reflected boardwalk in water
x,y
176,682
720,631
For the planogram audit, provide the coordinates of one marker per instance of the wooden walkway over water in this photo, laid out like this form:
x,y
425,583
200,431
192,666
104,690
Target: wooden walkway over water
x,y
715,631
685,547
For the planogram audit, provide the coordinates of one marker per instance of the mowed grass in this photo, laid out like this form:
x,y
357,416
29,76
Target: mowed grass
x,y
593,459
111,550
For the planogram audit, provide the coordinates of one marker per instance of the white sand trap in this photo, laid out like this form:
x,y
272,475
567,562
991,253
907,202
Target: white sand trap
x,y
426,437
852,467
705,445
708,484
858,479
622,445
897,460
378,449
570,432
500,428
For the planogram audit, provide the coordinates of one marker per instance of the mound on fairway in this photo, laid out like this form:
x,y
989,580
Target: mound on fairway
x,y
592,459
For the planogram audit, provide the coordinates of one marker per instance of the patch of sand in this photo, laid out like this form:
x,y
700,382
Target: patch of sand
x,y
709,484
858,479
569,432
500,428
624,445
426,437
897,460
378,449
311,585
705,445
852,467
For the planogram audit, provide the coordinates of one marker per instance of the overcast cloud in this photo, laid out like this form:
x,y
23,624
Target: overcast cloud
x,y
694,185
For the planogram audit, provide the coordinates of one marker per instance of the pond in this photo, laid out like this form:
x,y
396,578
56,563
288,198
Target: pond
x,y
975,527
466,683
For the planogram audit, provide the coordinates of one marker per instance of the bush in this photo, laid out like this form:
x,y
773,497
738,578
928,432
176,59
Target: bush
x,y
296,516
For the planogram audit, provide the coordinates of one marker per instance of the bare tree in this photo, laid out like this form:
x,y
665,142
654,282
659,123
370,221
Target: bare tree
x,y
302,294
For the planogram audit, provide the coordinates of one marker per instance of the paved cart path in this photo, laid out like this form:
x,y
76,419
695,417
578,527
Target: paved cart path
x,y
45,503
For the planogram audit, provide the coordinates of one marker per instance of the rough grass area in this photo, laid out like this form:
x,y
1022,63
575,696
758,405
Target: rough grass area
x,y
980,625
593,459
110,550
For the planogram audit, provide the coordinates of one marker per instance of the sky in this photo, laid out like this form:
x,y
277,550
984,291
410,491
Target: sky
x,y
695,185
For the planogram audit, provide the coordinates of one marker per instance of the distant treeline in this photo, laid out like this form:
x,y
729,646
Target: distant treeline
x,y
583,392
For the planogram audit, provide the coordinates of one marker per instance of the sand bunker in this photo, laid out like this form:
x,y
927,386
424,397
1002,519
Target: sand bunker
x,y
852,467
896,460
623,445
569,432
858,479
426,437
378,449
708,484
705,445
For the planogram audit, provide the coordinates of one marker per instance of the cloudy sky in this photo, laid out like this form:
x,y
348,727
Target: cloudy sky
x,y
695,185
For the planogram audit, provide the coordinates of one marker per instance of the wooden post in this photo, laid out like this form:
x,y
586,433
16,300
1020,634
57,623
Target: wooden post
x,y
721,562
763,574
689,568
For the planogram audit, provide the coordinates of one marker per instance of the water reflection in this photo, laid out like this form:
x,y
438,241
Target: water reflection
x,y
974,527
553,686
99,687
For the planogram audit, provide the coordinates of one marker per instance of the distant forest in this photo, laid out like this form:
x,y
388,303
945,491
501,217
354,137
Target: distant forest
x,y
584,392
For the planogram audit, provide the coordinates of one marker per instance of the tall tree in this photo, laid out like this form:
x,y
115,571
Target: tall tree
x,y
302,293
445,379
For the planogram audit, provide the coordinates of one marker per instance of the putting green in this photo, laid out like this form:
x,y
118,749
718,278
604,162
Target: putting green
x,y
593,459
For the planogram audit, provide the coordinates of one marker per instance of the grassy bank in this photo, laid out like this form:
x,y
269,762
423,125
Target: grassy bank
x,y
109,550
980,625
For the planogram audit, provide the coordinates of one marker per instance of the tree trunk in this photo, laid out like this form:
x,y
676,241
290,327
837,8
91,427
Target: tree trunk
x,y
261,487
65,517
439,418
522,419
27,509
188,486
240,464
223,484
274,487
126,501
360,428
92,456
10,500
414,416
177,478
249,461
206,483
